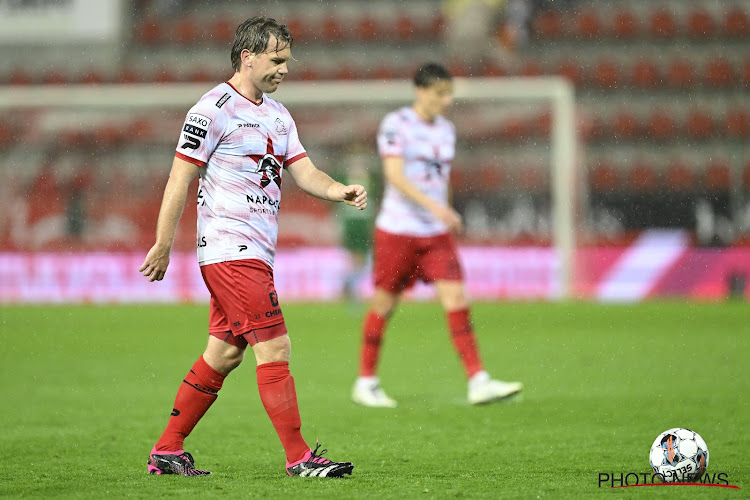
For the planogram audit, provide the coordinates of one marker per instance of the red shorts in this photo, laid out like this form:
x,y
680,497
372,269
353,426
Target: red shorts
x,y
399,260
244,305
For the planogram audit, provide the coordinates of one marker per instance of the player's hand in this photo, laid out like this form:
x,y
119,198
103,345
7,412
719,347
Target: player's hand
x,y
449,217
156,263
354,195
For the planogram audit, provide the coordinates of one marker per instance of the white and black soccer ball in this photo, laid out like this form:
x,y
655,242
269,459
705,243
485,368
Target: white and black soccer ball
x,y
679,456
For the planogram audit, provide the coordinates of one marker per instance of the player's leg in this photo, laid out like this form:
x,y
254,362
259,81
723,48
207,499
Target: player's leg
x,y
367,390
196,394
394,264
481,388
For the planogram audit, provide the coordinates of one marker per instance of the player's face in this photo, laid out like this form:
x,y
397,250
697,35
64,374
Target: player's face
x,y
269,68
436,98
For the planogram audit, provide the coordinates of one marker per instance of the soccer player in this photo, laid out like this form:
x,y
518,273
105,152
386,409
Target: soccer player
x,y
414,236
240,142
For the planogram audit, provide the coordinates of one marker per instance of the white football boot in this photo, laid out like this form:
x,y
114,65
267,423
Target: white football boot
x,y
367,392
483,389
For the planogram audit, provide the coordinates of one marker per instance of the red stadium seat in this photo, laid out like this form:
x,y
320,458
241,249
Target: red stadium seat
x,y
661,126
604,178
531,178
680,74
55,77
406,28
222,30
129,75
700,24
531,68
92,76
625,25
737,124
164,75
367,29
746,73
493,69
541,125
148,32
606,75
185,31
700,125
571,70
489,178
662,24
331,29
548,24
459,68
514,130
587,25
643,177
680,177
20,77
436,27
592,128
736,23
746,177
645,75
625,126
717,176
384,72
719,73
107,136
200,75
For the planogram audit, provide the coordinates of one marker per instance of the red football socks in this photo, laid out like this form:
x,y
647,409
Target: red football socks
x,y
276,387
462,334
372,336
194,397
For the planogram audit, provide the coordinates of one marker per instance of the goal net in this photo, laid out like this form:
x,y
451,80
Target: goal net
x,y
84,168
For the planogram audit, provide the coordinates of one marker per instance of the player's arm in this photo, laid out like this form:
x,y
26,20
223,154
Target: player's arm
x,y
172,205
393,169
319,184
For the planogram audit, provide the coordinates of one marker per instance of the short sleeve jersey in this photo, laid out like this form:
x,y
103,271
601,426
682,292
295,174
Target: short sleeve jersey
x,y
242,148
427,150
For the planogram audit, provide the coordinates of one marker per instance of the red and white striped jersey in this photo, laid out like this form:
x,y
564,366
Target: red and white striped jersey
x,y
242,148
427,150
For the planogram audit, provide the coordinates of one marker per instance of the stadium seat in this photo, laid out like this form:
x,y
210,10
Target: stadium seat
x,y
531,68
603,178
129,75
406,28
662,24
645,75
367,29
571,70
625,25
489,178
587,25
745,77
493,69
643,177
20,77
737,125
148,31
679,177
548,24
680,74
331,30
91,76
746,177
718,73
717,176
200,75
625,126
699,125
593,128
736,23
514,130
700,24
531,178
606,75
436,26
185,31
661,126
164,75
222,30
55,77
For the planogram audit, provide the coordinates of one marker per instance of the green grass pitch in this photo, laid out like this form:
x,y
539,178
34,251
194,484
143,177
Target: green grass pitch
x,y
87,390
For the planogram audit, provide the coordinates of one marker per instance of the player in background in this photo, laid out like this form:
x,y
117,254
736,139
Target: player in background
x,y
240,142
414,236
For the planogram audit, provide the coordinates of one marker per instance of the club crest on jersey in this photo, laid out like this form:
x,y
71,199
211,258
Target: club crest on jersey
x,y
280,128
269,167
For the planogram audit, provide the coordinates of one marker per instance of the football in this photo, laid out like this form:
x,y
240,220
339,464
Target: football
x,y
679,455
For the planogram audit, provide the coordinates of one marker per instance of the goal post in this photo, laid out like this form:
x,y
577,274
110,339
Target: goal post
x,y
556,92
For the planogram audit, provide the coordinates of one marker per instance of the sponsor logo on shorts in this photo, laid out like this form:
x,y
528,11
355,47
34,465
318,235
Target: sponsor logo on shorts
x,y
236,324
175,412
275,312
274,299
